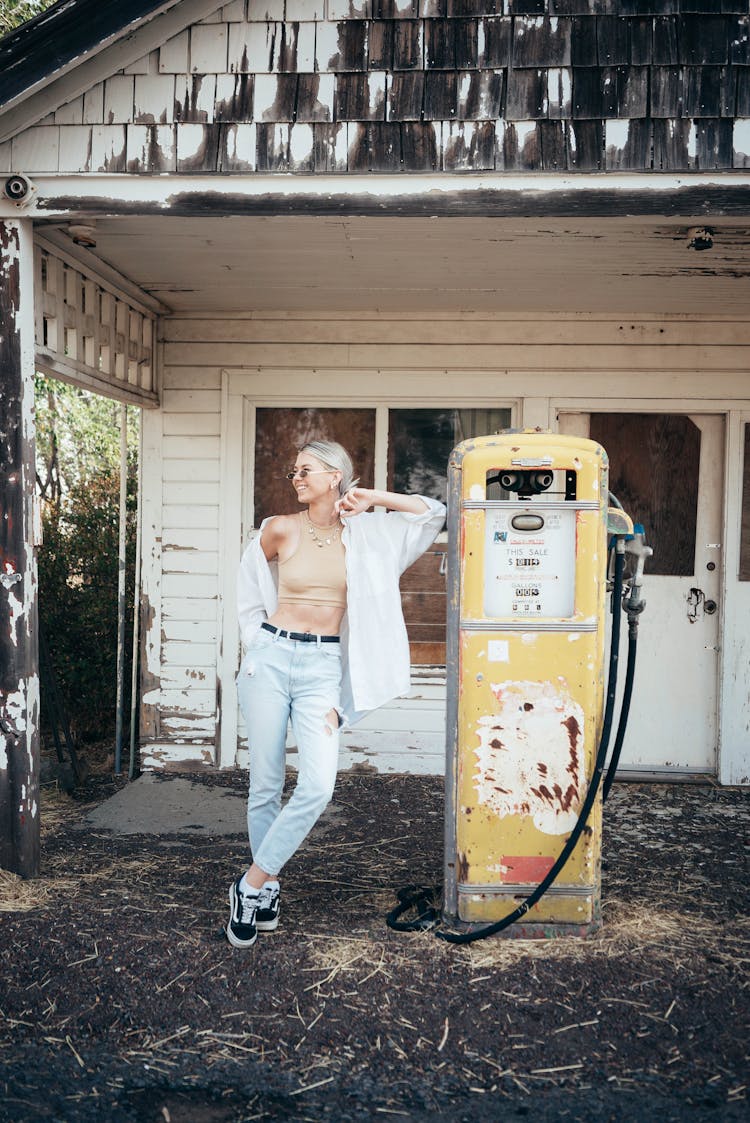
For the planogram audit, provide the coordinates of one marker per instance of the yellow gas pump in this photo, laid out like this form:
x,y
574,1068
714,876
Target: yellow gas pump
x,y
527,571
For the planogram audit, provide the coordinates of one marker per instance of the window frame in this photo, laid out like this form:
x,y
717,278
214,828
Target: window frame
x,y
381,408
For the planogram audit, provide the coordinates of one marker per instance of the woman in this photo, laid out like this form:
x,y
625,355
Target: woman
x,y
325,642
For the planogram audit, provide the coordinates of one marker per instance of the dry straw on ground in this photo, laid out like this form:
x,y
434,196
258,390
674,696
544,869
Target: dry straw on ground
x,y
627,929
20,895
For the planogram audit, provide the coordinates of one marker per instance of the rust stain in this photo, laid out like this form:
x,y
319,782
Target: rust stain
x,y
574,732
543,792
463,868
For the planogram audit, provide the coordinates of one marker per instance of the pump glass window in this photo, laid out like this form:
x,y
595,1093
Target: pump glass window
x,y
419,444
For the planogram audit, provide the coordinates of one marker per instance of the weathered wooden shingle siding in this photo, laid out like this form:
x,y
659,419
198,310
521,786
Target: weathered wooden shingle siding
x,y
444,86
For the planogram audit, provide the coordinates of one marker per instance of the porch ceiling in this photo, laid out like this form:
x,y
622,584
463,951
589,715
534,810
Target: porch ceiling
x,y
622,266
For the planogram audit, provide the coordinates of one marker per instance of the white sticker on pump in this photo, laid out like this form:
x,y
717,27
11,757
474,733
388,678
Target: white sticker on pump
x,y
529,569
497,651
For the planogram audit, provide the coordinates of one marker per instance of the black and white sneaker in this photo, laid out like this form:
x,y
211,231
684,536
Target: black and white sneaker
x,y
269,907
243,908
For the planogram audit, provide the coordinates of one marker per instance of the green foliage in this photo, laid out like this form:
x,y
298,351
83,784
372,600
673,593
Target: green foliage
x,y
78,455
77,435
15,12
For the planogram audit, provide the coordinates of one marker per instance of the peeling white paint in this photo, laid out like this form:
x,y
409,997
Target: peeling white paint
x,y
376,85
189,141
741,137
617,132
161,190
476,491
692,144
301,144
525,131
559,89
530,755
15,709
241,141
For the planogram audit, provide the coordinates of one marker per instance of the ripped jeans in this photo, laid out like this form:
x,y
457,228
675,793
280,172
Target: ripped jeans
x,y
282,678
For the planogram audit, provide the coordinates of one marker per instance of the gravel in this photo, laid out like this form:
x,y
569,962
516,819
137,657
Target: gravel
x,y
121,1000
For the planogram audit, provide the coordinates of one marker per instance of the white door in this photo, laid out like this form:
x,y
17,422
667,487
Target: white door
x,y
667,469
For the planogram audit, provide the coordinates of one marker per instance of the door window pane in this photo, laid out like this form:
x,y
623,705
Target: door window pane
x,y
420,442
654,464
279,434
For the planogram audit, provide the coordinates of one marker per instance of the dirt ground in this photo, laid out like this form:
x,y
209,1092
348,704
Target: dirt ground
x,y
121,1000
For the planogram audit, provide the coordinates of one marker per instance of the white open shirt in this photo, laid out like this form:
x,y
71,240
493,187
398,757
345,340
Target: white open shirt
x,y
380,545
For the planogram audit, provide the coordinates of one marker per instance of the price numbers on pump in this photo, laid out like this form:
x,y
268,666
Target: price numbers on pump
x,y
529,564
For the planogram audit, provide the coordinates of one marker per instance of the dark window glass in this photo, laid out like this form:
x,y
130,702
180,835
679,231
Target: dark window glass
x,y
654,463
420,442
280,432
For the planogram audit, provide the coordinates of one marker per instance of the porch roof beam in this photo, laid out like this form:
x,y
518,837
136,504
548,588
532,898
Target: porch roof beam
x,y
105,275
530,196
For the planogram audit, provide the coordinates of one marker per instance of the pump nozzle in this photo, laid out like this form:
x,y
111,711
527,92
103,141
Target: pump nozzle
x,y
635,545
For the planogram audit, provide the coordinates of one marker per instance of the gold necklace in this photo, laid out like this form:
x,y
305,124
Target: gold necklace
x,y
331,533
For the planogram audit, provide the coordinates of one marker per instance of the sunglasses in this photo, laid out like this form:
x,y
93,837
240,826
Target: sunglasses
x,y
303,473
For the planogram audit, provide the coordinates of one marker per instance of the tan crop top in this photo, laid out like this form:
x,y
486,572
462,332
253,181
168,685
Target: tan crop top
x,y
315,574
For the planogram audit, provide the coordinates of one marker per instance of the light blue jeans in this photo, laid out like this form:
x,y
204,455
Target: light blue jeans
x,y
281,679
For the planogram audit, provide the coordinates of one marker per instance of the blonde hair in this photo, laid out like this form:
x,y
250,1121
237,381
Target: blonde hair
x,y
335,457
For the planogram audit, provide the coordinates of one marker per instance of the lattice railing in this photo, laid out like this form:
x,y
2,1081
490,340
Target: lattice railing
x,y
89,333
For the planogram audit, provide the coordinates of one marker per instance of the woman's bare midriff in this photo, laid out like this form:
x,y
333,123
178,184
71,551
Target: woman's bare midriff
x,y
319,619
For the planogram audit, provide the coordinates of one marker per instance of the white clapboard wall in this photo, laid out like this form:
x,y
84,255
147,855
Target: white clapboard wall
x,y
656,363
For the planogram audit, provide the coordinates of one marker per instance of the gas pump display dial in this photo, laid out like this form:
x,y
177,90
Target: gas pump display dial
x,y
529,563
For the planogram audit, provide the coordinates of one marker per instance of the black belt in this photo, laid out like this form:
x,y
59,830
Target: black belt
x,y
303,637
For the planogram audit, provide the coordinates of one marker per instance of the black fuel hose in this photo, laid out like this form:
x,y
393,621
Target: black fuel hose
x,y
429,914
627,694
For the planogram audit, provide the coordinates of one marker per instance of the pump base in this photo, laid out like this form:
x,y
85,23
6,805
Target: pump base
x,y
530,930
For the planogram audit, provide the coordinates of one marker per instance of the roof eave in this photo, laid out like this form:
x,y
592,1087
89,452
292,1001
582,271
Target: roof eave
x,y
100,61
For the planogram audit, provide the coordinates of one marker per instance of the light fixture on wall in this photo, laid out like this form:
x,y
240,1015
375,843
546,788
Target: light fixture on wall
x,y
83,235
700,238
